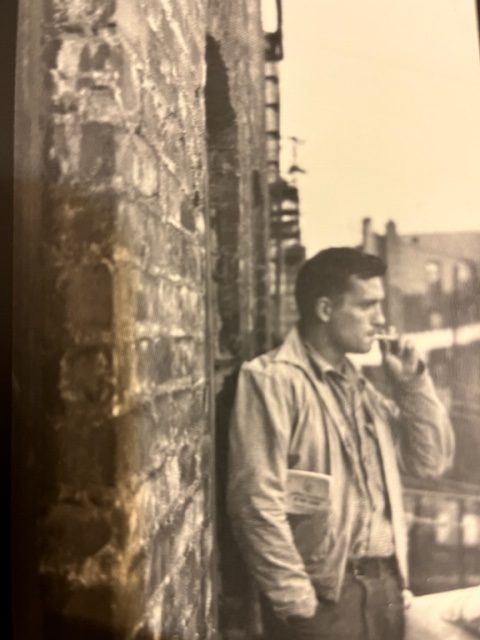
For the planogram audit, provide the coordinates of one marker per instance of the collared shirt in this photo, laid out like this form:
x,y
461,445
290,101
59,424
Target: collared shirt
x,y
372,532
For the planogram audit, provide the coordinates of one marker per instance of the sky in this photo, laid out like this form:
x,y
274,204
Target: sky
x,y
386,96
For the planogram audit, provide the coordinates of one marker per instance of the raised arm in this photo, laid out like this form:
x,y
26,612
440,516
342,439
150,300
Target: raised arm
x,y
424,435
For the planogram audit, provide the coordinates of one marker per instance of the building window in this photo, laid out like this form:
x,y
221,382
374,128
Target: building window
x,y
466,298
433,276
464,276
433,299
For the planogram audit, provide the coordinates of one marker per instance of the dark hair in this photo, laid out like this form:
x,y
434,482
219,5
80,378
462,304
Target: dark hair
x,y
327,274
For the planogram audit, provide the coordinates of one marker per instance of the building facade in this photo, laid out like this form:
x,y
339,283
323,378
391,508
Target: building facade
x,y
433,294
141,283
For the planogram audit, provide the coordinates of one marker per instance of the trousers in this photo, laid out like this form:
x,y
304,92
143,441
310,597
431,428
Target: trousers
x,y
370,608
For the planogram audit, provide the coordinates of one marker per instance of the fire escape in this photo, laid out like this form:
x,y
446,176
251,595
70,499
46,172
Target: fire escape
x,y
286,251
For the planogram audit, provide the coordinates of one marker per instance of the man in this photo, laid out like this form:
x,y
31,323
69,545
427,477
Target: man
x,y
331,562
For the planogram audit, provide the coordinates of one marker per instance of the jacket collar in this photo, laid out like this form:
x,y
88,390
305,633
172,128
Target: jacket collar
x,y
295,351
292,350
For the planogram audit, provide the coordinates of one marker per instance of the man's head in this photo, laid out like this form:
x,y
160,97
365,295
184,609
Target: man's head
x,y
339,292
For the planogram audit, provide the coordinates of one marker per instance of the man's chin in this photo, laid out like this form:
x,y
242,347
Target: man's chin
x,y
361,347
364,348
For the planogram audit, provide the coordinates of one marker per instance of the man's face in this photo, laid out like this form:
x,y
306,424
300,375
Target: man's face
x,y
356,316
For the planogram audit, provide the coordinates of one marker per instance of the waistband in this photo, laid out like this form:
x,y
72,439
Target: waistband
x,y
372,567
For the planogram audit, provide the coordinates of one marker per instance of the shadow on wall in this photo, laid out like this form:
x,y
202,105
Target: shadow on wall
x,y
235,595
234,601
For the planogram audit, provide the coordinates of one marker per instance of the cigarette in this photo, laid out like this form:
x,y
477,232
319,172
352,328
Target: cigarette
x,y
389,335
386,337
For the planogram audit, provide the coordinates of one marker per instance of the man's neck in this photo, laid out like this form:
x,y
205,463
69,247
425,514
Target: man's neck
x,y
321,343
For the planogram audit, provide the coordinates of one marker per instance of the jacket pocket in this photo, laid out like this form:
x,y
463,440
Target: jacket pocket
x,y
312,533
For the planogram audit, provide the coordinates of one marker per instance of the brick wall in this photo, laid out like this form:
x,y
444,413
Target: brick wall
x,y
239,250
112,282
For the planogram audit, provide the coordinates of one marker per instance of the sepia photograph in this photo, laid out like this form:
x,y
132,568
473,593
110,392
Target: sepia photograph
x,y
245,338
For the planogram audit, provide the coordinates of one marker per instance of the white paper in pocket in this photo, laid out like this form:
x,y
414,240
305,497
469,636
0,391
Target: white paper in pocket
x,y
307,491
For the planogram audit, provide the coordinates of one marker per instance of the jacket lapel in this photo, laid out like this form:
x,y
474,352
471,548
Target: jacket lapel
x,y
293,352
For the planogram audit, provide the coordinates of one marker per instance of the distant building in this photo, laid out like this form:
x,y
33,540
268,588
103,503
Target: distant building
x,y
432,293
432,279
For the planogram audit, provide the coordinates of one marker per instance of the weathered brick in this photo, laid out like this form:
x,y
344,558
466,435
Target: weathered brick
x,y
73,533
162,557
181,412
187,214
171,195
130,83
178,598
100,57
147,509
155,109
86,376
94,604
143,437
92,285
199,360
188,462
125,372
77,13
86,453
133,591
199,404
162,59
145,300
183,351
92,218
97,151
158,242
169,611
164,359
62,154
146,362
171,476
189,307
138,165
191,266
132,231
100,103
166,304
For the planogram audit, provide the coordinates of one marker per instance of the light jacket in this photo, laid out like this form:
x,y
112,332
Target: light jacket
x,y
286,417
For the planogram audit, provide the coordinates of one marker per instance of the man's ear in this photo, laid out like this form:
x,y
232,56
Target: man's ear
x,y
323,309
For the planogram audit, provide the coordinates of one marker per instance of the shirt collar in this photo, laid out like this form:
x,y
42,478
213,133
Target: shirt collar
x,y
348,372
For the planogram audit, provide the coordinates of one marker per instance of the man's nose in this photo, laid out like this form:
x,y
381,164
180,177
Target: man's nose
x,y
379,317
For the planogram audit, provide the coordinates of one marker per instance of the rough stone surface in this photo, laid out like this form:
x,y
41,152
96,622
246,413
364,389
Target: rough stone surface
x,y
128,330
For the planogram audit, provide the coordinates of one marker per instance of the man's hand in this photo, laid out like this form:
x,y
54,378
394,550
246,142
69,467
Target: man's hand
x,y
402,362
302,628
408,598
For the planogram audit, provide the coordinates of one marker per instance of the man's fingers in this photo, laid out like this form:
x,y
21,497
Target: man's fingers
x,y
408,351
401,358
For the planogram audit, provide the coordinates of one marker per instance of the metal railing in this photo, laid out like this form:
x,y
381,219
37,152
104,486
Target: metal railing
x,y
444,536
